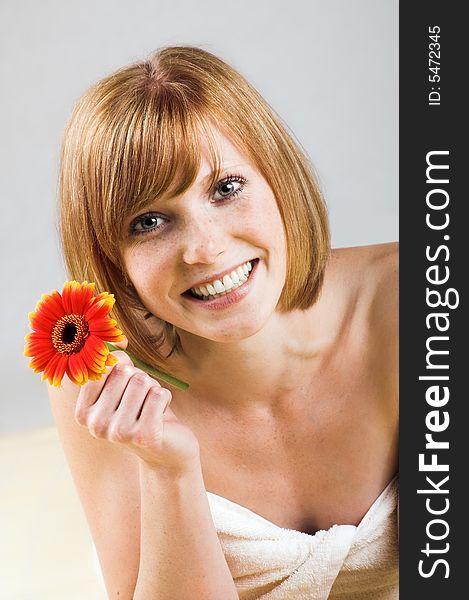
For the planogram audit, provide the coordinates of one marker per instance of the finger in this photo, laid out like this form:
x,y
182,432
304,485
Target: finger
x,y
156,402
101,417
122,357
133,398
88,395
90,392
99,399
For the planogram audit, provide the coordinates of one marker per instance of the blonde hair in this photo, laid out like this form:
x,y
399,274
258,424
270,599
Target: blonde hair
x,y
136,134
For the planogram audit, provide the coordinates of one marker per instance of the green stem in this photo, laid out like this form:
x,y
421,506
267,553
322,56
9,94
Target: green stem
x,y
150,370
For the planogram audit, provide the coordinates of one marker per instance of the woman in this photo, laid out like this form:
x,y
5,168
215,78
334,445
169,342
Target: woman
x,y
274,475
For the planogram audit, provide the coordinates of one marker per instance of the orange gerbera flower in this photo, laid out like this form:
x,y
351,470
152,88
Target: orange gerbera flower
x,y
69,334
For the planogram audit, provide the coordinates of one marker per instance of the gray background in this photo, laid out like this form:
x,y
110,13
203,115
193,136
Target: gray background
x,y
328,67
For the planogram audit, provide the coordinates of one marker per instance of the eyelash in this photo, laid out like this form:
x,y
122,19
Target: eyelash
x,y
228,179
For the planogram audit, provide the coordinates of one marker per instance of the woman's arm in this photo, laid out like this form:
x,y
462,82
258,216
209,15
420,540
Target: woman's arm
x,y
147,508
181,556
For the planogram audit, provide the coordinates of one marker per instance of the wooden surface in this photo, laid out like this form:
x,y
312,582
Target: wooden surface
x,y
45,546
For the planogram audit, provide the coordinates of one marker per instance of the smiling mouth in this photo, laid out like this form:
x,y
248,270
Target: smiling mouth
x,y
223,287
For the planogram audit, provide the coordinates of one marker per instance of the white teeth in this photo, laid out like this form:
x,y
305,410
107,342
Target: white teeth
x,y
219,287
227,282
231,281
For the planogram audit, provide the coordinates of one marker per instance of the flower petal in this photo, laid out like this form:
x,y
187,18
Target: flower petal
x,y
38,335
72,295
40,361
38,321
81,296
34,347
51,369
110,337
97,345
60,369
40,355
66,296
96,376
101,307
93,360
91,299
51,306
111,360
76,369
96,324
106,331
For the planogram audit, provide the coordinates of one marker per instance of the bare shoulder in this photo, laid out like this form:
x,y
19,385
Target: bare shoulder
x,y
106,479
374,258
384,259
384,280
370,271
370,276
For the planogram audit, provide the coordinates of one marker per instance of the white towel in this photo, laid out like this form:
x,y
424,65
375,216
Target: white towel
x,y
346,562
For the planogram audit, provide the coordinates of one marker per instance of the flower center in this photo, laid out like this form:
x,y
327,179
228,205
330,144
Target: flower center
x,y
69,334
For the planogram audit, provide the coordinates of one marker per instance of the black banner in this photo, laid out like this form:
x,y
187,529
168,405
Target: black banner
x,y
434,351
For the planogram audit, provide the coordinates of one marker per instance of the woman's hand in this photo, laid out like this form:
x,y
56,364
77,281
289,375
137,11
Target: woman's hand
x,y
127,406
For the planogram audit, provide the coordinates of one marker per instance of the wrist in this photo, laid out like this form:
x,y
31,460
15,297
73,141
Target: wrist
x,y
189,470
170,486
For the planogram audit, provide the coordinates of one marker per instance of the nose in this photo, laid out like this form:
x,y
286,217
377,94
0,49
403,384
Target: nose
x,y
203,242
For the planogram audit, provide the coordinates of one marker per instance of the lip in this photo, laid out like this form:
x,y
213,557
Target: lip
x,y
226,300
218,275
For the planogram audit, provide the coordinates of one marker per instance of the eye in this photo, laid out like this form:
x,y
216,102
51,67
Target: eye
x,y
146,223
229,187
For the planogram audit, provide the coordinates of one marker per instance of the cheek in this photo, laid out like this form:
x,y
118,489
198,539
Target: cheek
x,y
267,226
145,271
261,217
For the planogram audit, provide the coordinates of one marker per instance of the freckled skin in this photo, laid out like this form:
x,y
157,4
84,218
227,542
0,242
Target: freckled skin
x,y
202,236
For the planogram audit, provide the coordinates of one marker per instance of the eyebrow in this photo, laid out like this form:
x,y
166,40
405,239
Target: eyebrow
x,y
202,182
224,167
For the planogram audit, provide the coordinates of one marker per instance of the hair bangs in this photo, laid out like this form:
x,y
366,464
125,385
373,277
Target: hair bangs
x,y
155,151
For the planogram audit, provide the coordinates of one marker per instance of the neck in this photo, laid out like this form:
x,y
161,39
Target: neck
x,y
259,372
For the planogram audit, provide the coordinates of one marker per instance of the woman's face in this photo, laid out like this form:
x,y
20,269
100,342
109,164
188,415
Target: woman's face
x,y
181,250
